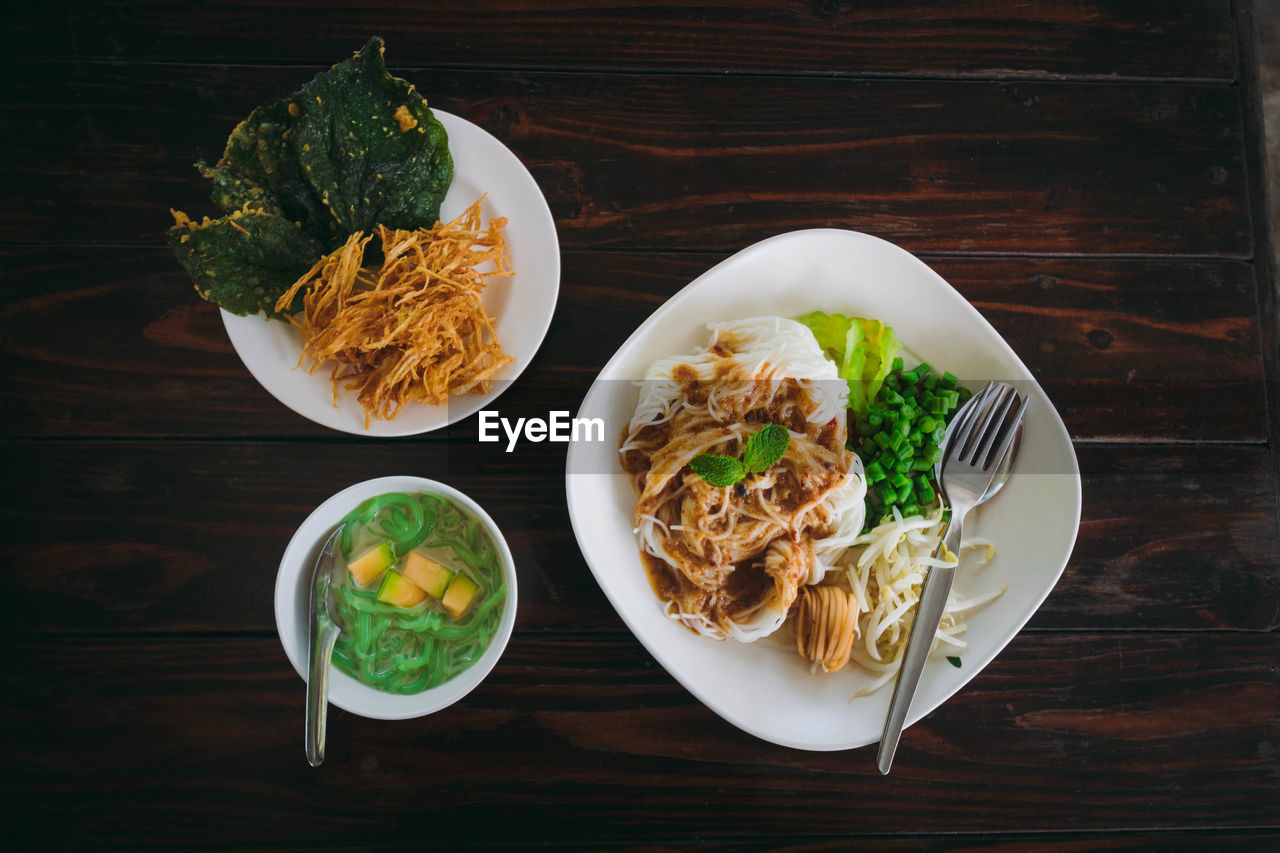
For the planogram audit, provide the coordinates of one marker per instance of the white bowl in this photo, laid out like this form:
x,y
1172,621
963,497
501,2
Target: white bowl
x,y
291,604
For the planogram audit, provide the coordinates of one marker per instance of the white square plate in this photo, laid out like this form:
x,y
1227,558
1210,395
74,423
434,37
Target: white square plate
x,y
765,688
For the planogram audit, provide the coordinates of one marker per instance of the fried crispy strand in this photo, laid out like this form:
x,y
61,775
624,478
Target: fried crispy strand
x,y
411,330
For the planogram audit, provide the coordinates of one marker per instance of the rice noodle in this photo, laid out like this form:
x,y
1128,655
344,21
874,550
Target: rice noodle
x,y
728,561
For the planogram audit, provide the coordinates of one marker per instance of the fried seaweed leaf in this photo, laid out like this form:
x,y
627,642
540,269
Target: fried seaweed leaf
x,y
370,147
244,261
233,191
352,149
260,152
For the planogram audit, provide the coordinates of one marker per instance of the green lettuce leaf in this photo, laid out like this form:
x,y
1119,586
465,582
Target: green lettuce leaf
x,y
863,350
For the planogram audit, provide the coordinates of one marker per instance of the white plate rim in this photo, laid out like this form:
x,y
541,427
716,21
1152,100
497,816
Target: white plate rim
x,y
543,235
918,709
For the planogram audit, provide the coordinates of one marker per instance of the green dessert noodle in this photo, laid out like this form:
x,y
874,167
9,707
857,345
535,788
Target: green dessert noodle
x,y
410,649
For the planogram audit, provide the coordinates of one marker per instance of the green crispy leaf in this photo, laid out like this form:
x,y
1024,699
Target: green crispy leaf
x,y
352,149
245,261
717,470
260,152
233,191
765,448
368,166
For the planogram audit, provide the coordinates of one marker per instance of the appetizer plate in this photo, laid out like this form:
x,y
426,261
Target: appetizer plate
x,y
765,688
292,598
522,304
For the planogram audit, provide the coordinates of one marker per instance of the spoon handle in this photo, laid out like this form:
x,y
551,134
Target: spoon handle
x,y
933,600
318,693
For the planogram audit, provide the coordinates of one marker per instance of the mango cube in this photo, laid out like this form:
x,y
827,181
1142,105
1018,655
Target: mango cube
x,y
426,573
366,568
399,592
458,597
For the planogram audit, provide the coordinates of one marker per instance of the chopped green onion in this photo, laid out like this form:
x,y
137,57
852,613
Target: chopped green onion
x,y
899,435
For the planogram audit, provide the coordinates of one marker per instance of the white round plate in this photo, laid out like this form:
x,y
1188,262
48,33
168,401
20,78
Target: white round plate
x,y
765,688
292,597
522,304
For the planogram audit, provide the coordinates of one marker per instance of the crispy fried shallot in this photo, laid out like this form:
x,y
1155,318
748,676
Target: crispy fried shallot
x,y
412,328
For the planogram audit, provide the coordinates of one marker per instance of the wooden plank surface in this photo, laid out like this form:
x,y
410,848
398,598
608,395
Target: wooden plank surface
x,y
101,151
1138,39
587,740
1126,349
187,536
1086,174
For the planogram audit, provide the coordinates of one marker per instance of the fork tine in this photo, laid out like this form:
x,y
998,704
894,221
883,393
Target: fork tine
x,y
982,420
1012,422
962,427
1000,414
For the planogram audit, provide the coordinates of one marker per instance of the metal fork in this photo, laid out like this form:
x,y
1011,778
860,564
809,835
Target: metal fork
x,y
977,445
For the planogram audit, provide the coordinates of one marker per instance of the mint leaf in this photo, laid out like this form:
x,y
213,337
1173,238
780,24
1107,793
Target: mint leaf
x,y
954,661
765,448
717,470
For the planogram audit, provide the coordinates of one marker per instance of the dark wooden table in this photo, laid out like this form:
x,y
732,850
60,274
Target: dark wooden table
x,y
1088,174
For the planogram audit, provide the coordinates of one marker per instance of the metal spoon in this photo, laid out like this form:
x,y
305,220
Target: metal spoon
x,y
322,635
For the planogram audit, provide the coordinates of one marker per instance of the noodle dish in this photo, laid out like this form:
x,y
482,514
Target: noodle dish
x,y
831,534
768,513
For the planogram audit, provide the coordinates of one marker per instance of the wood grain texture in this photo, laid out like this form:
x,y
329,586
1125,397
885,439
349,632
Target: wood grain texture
x,y
1066,841
587,740
113,342
102,151
1139,39
187,536
1085,173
